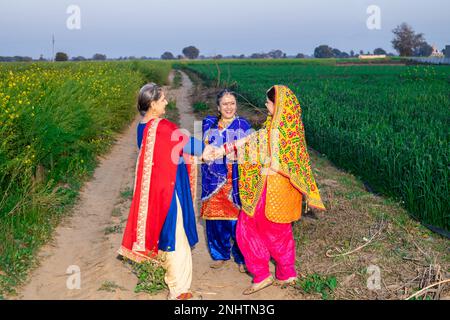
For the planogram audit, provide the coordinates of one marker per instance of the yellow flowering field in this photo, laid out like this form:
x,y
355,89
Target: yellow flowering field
x,y
54,121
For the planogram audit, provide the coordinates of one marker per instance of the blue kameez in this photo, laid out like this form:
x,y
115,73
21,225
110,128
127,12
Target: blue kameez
x,y
214,176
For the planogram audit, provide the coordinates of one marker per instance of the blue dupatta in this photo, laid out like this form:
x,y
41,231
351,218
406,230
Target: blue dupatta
x,y
214,174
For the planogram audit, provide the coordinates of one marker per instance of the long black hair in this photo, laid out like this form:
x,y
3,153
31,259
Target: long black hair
x,y
224,92
271,94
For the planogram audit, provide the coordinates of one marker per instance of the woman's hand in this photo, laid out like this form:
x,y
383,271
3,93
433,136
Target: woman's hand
x,y
211,153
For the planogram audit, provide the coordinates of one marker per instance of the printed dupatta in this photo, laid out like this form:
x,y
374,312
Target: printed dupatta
x,y
279,147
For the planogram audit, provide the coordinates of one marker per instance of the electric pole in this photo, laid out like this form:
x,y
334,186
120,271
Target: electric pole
x,y
53,48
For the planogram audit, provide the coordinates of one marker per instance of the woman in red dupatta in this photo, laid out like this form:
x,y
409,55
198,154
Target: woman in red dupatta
x,y
161,223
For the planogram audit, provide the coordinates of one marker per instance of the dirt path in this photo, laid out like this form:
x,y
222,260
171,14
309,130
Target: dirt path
x,y
87,240
226,283
408,255
82,239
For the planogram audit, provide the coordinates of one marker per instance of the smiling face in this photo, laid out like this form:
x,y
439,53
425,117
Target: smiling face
x,y
158,107
227,106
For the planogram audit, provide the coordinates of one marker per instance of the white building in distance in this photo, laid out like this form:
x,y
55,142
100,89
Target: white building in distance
x,y
436,53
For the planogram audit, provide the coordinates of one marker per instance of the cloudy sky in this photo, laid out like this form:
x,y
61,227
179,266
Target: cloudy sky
x,y
150,27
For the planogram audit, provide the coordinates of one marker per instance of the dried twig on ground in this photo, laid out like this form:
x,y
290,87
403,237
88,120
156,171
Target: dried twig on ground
x,y
428,277
377,233
427,288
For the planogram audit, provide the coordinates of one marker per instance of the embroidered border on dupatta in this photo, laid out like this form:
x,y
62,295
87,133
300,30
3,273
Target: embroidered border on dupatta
x,y
139,245
312,196
133,255
249,169
193,179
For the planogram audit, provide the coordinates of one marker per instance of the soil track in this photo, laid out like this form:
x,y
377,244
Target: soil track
x,y
88,239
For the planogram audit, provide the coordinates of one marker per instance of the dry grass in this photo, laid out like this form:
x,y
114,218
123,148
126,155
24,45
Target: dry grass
x,y
408,255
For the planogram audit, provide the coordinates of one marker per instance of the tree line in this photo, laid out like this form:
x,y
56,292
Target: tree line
x,y
406,42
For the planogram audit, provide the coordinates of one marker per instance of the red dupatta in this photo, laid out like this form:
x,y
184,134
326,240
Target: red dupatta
x,y
156,168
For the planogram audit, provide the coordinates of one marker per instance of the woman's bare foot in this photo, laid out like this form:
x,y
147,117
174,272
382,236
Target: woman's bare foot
x,y
242,268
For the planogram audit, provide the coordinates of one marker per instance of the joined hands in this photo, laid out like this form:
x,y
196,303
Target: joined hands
x,y
212,153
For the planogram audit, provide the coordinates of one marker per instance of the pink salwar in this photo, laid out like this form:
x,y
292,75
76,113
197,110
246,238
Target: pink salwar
x,y
260,239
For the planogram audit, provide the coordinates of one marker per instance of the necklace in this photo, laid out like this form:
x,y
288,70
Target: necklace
x,y
225,123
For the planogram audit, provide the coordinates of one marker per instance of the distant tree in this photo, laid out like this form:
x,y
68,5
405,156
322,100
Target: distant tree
x,y
180,57
379,51
99,57
79,58
22,59
352,53
276,54
242,56
361,52
16,59
423,50
167,56
219,56
323,51
336,53
41,58
191,52
259,56
61,56
340,54
300,56
406,40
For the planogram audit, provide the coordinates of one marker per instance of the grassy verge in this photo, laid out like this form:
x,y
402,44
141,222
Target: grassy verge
x,y
55,119
177,80
365,232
